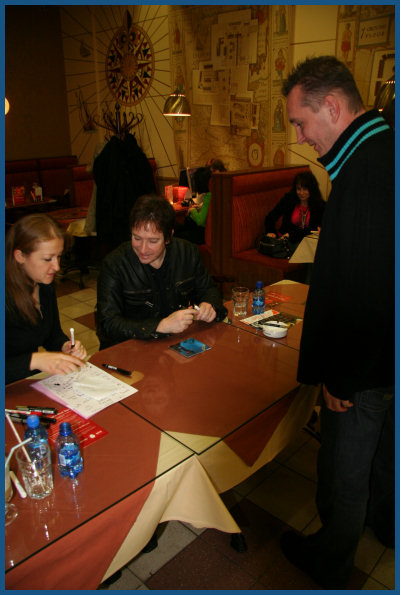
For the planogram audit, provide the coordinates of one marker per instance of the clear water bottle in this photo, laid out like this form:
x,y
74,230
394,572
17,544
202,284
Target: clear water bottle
x,y
258,306
70,461
39,445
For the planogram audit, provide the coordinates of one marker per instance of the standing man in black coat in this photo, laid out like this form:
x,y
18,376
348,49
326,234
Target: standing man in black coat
x,y
347,344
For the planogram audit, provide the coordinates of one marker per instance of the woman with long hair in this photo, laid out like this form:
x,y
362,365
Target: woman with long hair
x,y
301,210
33,248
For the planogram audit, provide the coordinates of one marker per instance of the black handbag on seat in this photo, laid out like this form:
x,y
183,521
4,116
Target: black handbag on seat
x,y
274,247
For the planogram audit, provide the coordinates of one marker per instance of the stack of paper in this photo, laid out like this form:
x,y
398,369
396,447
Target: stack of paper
x,y
86,391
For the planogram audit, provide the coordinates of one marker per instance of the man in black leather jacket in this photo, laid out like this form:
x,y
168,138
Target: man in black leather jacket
x,y
154,285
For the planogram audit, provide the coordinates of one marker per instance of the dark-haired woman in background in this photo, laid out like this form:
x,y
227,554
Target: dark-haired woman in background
x,y
301,210
33,248
193,228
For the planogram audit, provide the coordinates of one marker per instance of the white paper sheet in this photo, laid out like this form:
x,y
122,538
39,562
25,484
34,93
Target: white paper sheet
x,y
85,391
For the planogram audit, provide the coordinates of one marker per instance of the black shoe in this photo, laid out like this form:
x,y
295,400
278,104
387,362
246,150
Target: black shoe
x,y
151,545
110,580
297,551
294,547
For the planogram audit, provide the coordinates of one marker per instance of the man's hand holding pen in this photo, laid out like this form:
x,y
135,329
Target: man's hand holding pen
x,y
205,312
179,321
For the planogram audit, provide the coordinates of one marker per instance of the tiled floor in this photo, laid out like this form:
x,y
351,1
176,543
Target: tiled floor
x,y
279,496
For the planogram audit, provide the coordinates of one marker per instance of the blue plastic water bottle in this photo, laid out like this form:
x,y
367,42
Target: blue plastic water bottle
x,y
70,461
258,306
39,444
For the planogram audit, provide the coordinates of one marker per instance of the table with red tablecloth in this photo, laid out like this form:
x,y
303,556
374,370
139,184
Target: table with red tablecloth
x,y
70,539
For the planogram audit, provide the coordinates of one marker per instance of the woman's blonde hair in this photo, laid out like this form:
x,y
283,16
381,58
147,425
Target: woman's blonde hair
x,y
25,235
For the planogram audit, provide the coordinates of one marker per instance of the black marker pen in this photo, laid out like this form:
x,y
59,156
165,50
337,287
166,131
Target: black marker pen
x,y
115,369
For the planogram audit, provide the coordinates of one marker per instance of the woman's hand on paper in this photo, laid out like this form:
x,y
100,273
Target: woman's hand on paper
x,y
55,362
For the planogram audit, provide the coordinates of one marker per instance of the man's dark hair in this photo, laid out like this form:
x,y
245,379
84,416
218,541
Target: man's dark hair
x,y
201,178
151,208
318,77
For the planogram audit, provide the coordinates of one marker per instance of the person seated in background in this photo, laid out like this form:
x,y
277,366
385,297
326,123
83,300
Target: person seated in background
x,y
193,228
149,287
215,165
301,210
33,247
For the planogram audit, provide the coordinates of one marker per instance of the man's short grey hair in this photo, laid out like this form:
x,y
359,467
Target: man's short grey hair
x,y
318,77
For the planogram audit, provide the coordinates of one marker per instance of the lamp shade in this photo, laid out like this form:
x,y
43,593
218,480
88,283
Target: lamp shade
x,y
177,105
7,106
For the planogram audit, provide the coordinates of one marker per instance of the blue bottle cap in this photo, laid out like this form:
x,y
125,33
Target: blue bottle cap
x,y
65,428
33,421
259,285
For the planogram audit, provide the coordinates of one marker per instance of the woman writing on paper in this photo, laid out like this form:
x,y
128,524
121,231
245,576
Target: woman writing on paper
x,y
33,248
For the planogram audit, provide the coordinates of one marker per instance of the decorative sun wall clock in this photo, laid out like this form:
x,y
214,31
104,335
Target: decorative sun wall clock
x,y
130,63
118,54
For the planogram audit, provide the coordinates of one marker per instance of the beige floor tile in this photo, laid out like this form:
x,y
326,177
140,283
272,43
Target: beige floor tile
x,y
92,302
174,538
66,301
77,309
67,323
252,482
372,585
384,572
231,498
196,530
369,551
313,526
304,460
84,295
288,496
89,339
301,439
91,283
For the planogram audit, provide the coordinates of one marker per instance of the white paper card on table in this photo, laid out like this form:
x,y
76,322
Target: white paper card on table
x,y
94,387
85,391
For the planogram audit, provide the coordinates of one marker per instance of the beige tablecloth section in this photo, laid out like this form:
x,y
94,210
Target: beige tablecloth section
x,y
227,469
305,251
186,494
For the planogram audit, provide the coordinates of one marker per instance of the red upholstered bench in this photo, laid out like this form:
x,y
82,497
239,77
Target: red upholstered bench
x,y
55,174
243,200
21,172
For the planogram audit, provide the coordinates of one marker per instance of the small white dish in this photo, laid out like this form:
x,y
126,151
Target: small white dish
x,y
275,331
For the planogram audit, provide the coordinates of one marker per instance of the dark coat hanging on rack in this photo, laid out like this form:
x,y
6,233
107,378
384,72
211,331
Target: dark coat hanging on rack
x,y
122,173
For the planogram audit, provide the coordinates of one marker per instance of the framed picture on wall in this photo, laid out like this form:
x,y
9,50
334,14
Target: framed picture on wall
x,y
382,70
373,32
345,42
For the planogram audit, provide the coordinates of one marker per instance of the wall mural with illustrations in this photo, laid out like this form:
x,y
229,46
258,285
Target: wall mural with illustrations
x,y
366,43
231,62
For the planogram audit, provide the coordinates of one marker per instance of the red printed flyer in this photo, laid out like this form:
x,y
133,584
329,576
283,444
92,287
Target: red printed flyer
x,y
273,298
86,430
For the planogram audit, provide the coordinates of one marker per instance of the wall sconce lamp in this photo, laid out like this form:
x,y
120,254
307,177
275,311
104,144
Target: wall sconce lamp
x,y
7,106
177,105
